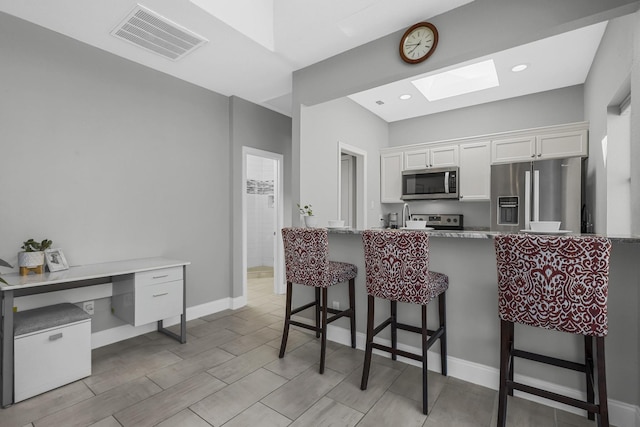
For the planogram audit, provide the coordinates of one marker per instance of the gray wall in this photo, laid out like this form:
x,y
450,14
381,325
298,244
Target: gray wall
x,y
536,110
112,160
256,127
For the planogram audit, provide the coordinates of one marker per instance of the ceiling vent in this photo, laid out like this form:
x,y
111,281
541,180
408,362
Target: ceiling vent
x,y
157,34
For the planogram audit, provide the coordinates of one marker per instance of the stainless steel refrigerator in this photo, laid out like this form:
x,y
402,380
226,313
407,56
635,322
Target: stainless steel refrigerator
x,y
544,190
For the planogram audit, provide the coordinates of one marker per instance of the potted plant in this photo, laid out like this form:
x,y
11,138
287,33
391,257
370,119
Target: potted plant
x,y
33,254
309,219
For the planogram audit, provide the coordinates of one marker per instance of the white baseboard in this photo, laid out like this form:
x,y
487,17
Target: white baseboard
x,y
620,413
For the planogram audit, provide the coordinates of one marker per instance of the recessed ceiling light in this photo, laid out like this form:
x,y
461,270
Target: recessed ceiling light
x,y
519,67
459,81
405,96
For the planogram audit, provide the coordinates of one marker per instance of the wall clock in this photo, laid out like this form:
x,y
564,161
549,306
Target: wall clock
x,y
418,42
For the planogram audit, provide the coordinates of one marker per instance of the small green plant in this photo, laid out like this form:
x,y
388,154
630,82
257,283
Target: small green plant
x,y
305,210
33,246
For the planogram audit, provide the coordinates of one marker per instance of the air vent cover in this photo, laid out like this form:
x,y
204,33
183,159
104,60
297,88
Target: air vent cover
x,y
157,34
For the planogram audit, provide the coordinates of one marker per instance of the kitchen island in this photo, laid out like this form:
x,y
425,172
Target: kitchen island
x,y
468,258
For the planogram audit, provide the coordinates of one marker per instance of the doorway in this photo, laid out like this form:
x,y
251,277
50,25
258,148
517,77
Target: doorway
x,y
616,156
352,185
262,213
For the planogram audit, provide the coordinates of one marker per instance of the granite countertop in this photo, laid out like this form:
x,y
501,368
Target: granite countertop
x,y
481,233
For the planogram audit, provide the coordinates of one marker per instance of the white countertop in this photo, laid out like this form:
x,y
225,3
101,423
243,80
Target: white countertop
x,y
87,272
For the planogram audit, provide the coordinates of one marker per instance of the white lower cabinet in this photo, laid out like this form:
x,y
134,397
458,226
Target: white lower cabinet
x,y
475,171
149,296
51,358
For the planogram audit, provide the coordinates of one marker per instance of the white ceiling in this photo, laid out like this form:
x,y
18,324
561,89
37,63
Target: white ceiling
x,y
555,62
255,63
252,53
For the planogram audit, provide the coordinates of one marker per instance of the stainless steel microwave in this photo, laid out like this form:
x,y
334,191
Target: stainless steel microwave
x,y
429,184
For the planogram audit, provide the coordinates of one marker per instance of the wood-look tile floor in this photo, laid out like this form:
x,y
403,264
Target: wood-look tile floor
x,y
229,374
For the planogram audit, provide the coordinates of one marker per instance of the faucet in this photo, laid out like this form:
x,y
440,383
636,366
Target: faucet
x,y
405,212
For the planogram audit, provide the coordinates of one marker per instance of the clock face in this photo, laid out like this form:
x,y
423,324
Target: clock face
x,y
418,42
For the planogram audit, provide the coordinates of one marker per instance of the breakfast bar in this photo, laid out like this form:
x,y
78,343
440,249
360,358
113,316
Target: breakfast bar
x,y
473,334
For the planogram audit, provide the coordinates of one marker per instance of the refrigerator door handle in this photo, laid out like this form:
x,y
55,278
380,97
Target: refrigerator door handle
x,y
527,199
446,182
536,195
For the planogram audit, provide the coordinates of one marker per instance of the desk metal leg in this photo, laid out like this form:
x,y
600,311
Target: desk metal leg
x,y
7,348
183,317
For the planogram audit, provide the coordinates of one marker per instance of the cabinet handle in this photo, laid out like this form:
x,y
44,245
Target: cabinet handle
x,y
533,155
159,295
55,336
160,277
540,155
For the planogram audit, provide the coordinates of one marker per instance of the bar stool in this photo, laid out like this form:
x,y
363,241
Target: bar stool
x,y
559,283
397,269
306,252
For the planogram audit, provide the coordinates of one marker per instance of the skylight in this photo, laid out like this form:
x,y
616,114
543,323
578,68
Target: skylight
x,y
471,78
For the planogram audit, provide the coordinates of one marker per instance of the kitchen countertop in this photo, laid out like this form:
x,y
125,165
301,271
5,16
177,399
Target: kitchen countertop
x,y
482,233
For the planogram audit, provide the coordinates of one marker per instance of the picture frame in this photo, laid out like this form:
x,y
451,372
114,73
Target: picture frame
x,y
55,260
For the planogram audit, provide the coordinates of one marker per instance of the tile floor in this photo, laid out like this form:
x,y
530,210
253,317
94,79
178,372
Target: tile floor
x,y
228,373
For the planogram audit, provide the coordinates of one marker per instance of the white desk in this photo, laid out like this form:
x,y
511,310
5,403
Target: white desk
x,y
74,277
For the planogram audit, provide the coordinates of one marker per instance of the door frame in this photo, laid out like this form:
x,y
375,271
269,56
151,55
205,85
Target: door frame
x,y
361,183
278,187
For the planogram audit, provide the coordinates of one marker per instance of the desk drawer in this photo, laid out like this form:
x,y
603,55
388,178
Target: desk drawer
x,y
153,277
157,302
50,358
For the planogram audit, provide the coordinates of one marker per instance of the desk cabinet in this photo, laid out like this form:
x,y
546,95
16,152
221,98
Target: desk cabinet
x,y
146,297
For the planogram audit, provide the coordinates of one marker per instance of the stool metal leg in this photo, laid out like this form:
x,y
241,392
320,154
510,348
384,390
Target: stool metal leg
x,y
287,319
323,332
506,342
425,339
603,418
352,307
442,313
318,304
394,328
369,345
588,368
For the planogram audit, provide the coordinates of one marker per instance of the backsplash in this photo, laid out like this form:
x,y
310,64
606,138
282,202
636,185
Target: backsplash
x,y
476,214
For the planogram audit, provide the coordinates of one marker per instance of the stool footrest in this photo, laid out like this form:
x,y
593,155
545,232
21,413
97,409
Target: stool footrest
x,y
580,367
397,351
304,325
338,314
302,308
589,407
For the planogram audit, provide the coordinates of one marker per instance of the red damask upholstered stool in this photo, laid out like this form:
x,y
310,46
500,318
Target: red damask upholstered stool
x,y
397,267
306,252
559,283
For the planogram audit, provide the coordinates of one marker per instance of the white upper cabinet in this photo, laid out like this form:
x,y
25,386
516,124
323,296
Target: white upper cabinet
x,y
562,144
475,171
422,158
417,159
444,156
509,150
550,143
475,155
391,167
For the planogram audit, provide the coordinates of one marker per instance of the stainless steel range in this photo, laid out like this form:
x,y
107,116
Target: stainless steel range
x,y
441,221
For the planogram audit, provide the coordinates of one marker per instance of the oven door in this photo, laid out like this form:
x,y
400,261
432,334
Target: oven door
x,y
436,183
